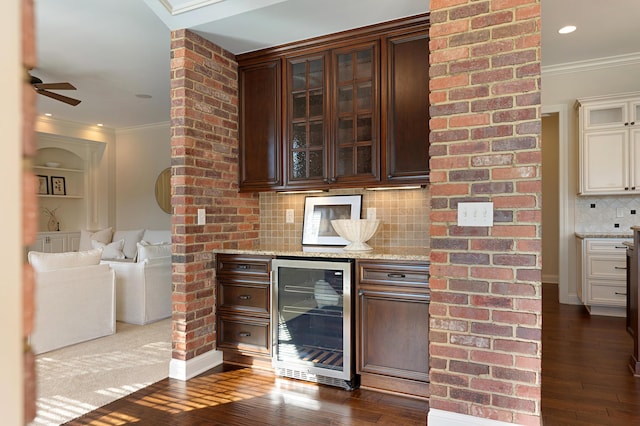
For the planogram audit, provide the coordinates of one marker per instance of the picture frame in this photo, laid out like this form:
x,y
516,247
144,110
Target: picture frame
x,y
58,186
43,185
320,211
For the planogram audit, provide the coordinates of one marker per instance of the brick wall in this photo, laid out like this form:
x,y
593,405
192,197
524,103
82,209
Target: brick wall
x,y
204,159
485,146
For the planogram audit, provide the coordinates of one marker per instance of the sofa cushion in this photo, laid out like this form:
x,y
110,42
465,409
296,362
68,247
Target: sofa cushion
x,y
153,251
131,238
43,262
153,236
104,236
110,251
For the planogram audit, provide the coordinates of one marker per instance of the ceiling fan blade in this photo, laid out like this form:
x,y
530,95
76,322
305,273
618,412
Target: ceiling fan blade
x,y
65,99
55,86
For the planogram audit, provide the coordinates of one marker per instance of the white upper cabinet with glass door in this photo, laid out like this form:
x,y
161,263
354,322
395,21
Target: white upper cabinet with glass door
x,y
610,144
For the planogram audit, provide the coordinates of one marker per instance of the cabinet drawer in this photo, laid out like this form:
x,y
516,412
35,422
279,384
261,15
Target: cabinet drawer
x,y
613,267
258,267
241,296
606,245
243,333
391,273
604,293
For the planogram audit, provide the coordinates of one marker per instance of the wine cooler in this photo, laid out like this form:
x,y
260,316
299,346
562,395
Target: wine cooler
x,y
312,320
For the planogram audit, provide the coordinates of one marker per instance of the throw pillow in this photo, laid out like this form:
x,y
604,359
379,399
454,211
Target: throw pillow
x,y
131,238
43,262
153,251
110,251
104,236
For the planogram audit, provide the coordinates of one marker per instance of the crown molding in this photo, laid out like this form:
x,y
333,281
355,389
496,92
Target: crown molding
x,y
592,64
186,6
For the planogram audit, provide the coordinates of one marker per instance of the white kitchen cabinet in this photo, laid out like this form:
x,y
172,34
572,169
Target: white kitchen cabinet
x,y
56,242
609,141
603,265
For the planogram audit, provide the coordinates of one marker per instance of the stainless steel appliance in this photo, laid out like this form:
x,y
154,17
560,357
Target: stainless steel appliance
x,y
312,320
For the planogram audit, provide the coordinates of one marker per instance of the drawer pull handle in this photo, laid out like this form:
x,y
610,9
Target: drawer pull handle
x,y
396,275
244,297
621,247
244,334
243,266
619,267
620,294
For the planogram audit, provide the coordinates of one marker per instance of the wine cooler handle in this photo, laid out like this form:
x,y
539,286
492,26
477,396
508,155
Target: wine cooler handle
x,y
396,275
244,334
244,297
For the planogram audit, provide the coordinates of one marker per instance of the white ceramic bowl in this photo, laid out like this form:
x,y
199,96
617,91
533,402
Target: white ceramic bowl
x,y
357,232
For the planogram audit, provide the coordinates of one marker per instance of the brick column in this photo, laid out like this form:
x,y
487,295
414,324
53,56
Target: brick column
x,y
204,159
486,319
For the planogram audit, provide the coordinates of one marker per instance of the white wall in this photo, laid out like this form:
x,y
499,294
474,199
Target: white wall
x,y
561,87
11,73
141,154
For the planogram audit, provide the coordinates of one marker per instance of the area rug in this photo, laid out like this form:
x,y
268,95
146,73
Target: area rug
x,y
77,379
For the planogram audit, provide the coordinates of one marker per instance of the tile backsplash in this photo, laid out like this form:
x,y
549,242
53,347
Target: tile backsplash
x,y
599,214
404,216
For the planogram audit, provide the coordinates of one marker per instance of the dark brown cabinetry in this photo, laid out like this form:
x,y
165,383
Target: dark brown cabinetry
x,y
349,110
633,300
392,326
260,152
243,307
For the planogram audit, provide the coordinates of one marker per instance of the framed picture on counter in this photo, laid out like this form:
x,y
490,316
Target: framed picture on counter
x,y
43,184
320,211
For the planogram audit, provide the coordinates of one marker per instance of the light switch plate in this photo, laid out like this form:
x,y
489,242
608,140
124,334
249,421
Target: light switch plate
x,y
289,216
371,213
619,212
202,217
475,214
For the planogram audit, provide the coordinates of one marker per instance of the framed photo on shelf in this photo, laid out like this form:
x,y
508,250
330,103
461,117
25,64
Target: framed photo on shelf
x,y
58,186
43,184
320,211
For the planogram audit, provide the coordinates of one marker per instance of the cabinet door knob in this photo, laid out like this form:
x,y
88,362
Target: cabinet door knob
x,y
243,266
333,180
325,180
244,334
244,297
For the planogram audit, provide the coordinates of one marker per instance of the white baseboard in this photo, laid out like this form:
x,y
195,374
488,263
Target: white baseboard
x,y
185,370
551,279
447,418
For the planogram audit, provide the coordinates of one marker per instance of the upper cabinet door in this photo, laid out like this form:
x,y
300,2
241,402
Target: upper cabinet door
x,y
260,128
355,114
605,115
406,141
306,137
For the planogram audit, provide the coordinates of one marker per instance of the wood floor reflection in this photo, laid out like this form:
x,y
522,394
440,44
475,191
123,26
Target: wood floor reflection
x,y
585,381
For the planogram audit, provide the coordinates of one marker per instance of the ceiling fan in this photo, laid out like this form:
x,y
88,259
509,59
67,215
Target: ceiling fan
x,y
41,88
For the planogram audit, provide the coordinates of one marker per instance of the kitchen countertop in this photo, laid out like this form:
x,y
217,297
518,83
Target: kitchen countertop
x,y
603,235
387,253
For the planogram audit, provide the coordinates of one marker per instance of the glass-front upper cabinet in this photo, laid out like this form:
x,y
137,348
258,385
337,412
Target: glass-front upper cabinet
x,y
611,114
307,112
355,113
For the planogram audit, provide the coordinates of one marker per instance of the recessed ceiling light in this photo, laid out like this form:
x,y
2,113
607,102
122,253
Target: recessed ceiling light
x,y
48,114
99,124
567,29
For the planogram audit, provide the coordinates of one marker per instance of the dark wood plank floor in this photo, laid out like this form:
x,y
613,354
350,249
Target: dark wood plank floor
x,y
585,378
585,381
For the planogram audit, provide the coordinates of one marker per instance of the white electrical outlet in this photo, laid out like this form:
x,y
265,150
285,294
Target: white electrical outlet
x,y
371,213
289,216
475,214
202,217
619,212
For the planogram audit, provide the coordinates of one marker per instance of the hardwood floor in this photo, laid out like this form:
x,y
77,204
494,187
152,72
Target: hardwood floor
x,y
585,381
585,378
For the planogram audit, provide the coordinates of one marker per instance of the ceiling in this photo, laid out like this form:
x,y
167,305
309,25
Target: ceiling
x,y
117,50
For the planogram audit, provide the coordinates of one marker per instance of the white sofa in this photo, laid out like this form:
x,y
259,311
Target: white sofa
x,y
75,299
143,272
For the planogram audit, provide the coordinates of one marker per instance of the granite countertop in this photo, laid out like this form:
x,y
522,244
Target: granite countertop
x,y
387,253
604,235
